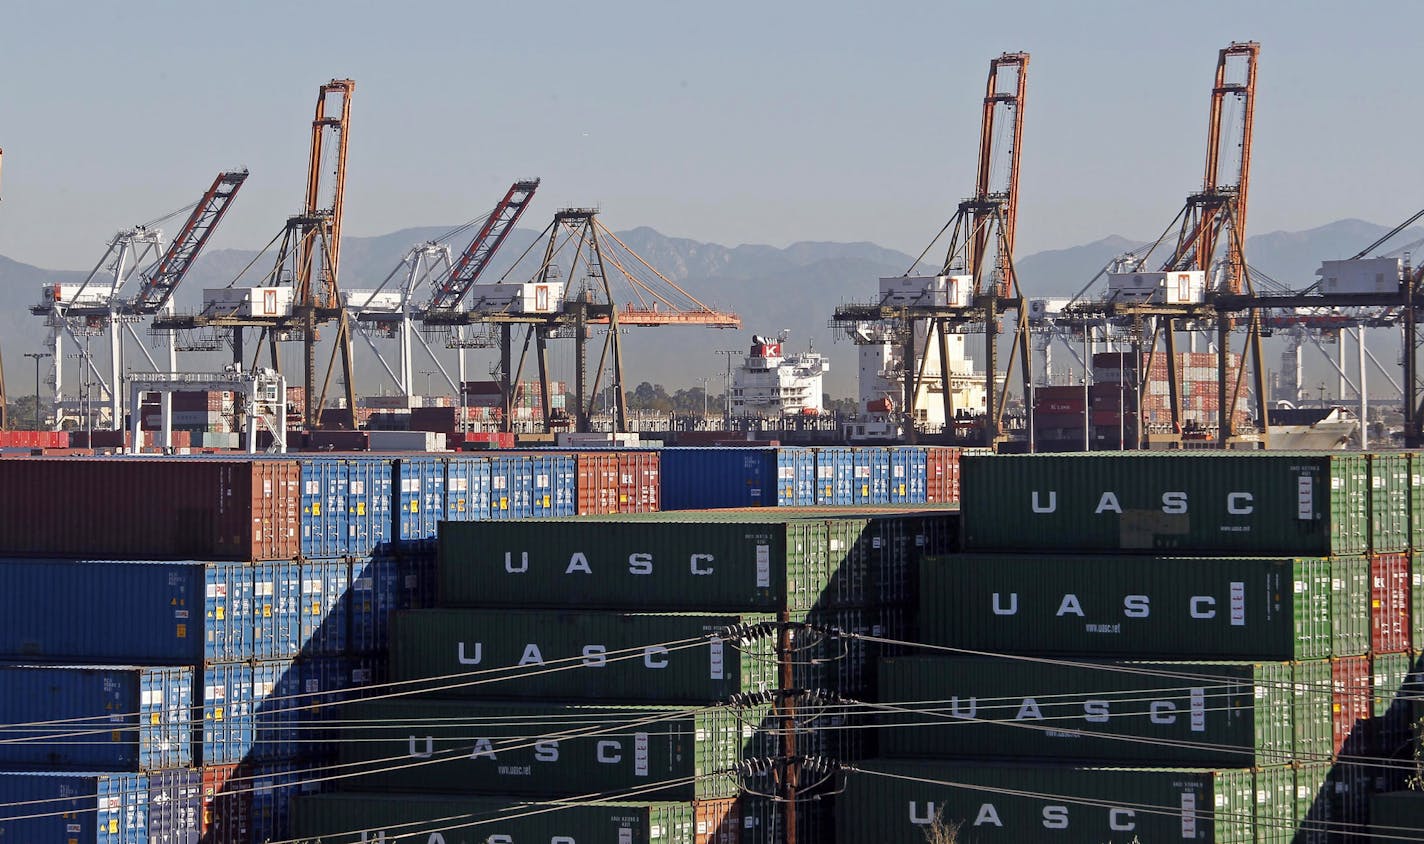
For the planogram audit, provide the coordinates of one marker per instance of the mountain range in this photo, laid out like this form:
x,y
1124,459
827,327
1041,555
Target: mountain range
x,y
794,288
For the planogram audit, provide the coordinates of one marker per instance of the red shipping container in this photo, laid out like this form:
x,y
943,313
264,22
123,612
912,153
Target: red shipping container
x,y
227,806
942,475
1389,603
1058,393
717,821
1350,700
639,481
137,508
598,482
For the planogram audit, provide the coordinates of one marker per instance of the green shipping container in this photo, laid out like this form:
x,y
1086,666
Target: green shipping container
x,y
548,750
1416,598
896,802
1230,715
1314,705
1389,502
762,561
1249,503
1397,816
1350,605
364,818
595,656
1315,802
1130,607
1416,500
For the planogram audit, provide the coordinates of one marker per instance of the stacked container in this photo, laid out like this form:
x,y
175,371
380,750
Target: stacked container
x,y
1272,582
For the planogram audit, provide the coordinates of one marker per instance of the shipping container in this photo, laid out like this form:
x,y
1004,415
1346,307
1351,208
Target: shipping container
x,y
1396,816
324,526
511,488
897,801
228,730
467,489
324,602
870,468
1308,504
1316,804
1230,715
276,709
277,612
272,789
150,508
941,475
373,598
98,612
364,817
1389,502
554,490
1313,701
1416,600
370,496
1350,693
835,476
708,478
546,750
424,441
1389,603
1416,500
326,683
605,656
1249,608
639,481
795,477
80,808
85,718
227,805
415,567
420,488
1349,604
1394,685
597,486
175,806
908,475
758,560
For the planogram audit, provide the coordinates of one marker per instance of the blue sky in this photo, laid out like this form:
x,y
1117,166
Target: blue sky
x,y
732,122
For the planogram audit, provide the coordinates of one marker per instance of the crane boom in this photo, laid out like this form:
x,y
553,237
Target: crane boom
x,y
1003,95
163,279
334,97
486,242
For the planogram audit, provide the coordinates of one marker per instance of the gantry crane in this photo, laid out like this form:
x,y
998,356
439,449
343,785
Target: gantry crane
x,y
1206,269
975,284
100,304
569,292
302,291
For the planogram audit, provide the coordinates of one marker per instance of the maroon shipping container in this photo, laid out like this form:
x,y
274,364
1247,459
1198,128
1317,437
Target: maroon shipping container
x,y
227,806
1389,603
1070,392
337,441
442,420
942,475
137,508
639,481
598,482
1350,704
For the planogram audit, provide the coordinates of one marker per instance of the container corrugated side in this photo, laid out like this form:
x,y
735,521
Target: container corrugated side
x,y
151,508
511,488
1315,802
175,806
870,473
1350,605
1390,587
1396,816
1389,502
323,491
81,808
835,476
227,805
894,802
639,481
82,718
324,604
909,467
346,818
373,598
544,750
1416,601
276,705
467,489
1253,503
228,730
597,482
420,496
1170,714
619,656
1350,704
941,475
274,786
1251,608
1394,685
795,477
277,619
1416,500
122,612
707,478
326,684
370,501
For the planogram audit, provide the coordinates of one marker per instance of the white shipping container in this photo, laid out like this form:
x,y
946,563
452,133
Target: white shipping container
x,y
406,441
1361,275
248,301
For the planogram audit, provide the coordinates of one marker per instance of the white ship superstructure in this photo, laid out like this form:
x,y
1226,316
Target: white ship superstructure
x,y
771,384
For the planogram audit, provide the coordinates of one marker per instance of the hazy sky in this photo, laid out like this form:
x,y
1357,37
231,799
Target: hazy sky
x,y
732,122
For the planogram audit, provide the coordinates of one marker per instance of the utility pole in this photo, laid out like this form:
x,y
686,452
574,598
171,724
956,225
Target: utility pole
x,y
727,412
37,357
704,380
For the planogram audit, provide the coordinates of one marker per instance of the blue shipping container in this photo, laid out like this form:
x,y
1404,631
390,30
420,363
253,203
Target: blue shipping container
x,y
324,527
276,708
420,490
273,786
555,480
175,806
324,599
416,564
511,488
326,683
872,475
835,476
710,478
467,489
114,718
909,466
277,621
369,505
79,808
227,714
795,477
105,612
374,595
